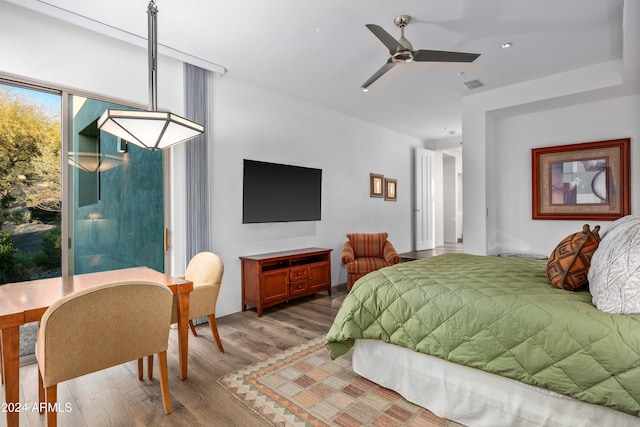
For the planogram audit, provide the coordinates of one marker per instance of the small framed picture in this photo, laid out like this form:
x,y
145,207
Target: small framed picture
x,y
390,189
376,186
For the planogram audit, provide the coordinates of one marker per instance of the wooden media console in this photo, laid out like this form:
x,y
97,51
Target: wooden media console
x,y
272,278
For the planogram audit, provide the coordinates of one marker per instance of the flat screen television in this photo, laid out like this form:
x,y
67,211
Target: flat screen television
x,y
274,192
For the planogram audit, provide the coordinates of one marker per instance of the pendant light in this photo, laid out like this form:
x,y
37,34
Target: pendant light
x,y
152,129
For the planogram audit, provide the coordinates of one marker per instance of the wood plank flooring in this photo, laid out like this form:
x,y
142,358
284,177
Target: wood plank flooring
x,y
447,248
115,397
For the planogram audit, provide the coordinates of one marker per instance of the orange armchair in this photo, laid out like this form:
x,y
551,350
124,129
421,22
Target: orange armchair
x,y
367,252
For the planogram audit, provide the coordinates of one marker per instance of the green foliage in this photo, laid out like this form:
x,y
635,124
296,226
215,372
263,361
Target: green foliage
x,y
31,259
20,216
7,199
23,216
30,159
52,248
14,265
8,251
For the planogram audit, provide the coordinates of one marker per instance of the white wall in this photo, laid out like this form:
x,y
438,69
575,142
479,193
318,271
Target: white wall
x,y
580,105
480,116
449,198
516,136
254,123
41,48
248,122
501,127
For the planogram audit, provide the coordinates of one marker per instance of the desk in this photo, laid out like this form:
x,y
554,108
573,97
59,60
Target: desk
x,y
26,302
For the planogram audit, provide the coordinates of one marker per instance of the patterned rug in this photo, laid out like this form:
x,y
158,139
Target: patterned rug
x,y
303,387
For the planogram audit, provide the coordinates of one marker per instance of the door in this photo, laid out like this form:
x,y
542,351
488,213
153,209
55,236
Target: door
x,y
275,287
319,275
424,200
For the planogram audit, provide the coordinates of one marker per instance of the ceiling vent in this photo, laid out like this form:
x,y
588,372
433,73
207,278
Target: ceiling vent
x,y
473,84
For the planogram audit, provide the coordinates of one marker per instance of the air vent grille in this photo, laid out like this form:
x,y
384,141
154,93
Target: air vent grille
x,y
473,84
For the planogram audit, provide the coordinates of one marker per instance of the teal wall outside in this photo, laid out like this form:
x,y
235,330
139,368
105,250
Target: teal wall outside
x,y
119,211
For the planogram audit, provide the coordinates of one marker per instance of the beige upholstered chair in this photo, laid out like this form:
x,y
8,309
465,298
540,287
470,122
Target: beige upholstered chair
x,y
100,327
205,270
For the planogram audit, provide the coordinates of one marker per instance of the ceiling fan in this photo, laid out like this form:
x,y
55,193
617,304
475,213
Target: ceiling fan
x,y
401,50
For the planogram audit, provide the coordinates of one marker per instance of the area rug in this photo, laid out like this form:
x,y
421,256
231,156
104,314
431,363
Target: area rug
x,y
304,387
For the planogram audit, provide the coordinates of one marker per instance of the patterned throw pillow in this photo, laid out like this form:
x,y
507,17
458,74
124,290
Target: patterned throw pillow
x,y
569,262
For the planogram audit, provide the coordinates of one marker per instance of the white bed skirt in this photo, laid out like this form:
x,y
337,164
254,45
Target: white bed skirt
x,y
473,397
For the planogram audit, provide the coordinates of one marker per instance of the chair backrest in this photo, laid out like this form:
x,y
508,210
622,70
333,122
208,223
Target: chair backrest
x,y
205,267
368,244
103,326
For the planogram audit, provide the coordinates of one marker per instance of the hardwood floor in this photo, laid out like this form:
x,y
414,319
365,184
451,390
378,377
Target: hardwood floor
x,y
115,397
447,248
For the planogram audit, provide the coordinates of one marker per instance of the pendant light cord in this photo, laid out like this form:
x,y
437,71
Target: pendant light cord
x,y
152,12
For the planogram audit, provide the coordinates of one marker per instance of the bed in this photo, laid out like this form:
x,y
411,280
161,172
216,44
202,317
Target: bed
x,y
487,341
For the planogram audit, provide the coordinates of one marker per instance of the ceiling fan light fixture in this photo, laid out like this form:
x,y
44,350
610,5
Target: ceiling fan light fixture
x,y
402,56
401,51
152,129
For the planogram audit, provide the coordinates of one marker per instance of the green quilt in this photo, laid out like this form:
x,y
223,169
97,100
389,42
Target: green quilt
x,y
500,315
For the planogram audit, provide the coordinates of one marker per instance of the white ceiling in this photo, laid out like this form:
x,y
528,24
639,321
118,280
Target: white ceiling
x,y
321,51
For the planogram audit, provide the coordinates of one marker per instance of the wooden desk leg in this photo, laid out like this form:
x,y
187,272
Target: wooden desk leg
x,y
183,332
10,341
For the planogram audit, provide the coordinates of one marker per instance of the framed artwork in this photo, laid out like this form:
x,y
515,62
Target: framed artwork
x,y
390,189
582,181
376,185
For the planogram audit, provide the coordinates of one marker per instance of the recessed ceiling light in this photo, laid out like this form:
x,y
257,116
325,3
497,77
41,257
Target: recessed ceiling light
x,y
365,89
506,45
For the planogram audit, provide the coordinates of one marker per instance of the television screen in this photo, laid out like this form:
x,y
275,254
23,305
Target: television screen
x,y
280,193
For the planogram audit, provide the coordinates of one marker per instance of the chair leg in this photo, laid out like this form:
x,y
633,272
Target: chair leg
x,y
193,329
51,398
140,370
150,366
164,382
214,331
41,396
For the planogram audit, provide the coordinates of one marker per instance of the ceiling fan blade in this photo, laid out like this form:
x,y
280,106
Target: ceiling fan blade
x,y
443,56
386,38
386,67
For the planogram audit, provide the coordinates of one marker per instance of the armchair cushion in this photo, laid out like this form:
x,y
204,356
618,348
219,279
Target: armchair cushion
x,y
362,266
368,244
390,254
366,252
347,253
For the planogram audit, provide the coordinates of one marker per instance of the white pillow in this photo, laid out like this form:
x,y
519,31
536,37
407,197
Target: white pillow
x,y
614,275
